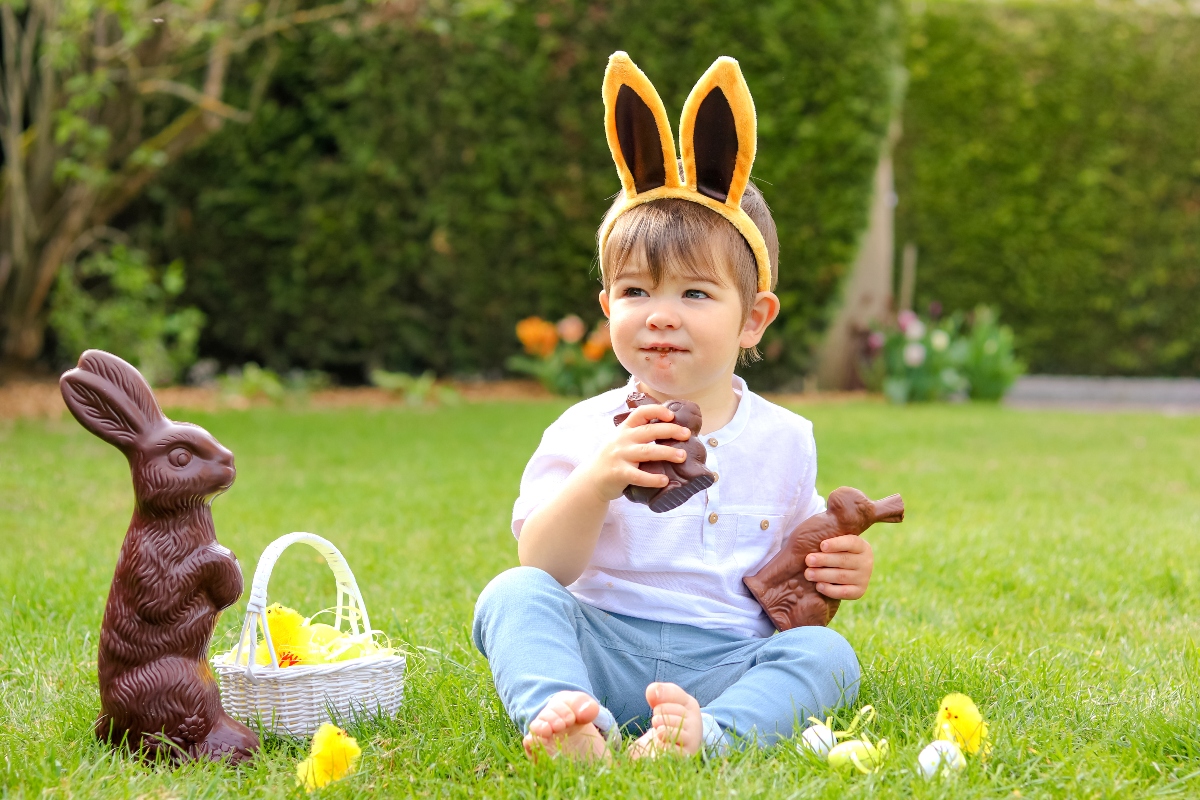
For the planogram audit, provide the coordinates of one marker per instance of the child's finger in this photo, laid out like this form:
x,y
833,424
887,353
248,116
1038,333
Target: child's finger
x,y
844,544
830,575
649,451
651,480
834,560
659,430
838,591
643,414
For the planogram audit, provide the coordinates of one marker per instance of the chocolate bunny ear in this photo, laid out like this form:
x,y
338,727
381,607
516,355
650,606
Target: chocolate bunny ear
x,y
110,398
639,135
718,133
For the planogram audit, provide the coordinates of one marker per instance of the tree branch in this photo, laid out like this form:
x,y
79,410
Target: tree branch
x,y
206,102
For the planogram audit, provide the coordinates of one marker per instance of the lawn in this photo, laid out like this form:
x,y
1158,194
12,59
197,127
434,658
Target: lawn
x,y
1049,567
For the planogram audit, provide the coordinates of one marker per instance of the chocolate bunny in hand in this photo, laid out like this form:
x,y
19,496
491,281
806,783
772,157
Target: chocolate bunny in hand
x,y
157,691
683,480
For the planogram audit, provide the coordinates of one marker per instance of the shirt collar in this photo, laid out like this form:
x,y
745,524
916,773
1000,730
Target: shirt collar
x,y
732,428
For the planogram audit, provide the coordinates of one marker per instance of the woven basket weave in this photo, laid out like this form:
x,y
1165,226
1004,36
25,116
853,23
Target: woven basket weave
x,y
296,700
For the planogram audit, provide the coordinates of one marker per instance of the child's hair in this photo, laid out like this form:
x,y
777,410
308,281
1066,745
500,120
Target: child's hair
x,y
689,239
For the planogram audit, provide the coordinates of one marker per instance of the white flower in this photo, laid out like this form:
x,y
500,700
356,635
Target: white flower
x,y
915,330
914,354
940,756
939,340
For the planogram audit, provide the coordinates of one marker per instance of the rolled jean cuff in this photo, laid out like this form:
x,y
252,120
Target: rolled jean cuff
x,y
714,739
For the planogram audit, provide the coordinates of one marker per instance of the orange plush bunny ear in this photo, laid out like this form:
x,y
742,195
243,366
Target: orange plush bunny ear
x,y
717,137
639,135
718,133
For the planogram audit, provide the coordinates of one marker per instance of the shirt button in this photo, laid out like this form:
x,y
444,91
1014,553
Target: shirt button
x,y
712,517
716,477
764,524
712,442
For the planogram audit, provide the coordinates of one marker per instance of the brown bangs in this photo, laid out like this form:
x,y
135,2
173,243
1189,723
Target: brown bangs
x,y
685,239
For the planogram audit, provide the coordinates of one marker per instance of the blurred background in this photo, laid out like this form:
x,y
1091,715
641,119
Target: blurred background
x,y
365,192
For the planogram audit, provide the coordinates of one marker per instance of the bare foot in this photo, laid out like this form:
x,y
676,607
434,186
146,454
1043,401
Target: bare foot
x,y
676,723
567,726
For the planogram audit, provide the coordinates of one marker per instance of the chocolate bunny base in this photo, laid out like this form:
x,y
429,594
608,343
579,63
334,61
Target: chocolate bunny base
x,y
683,480
790,599
158,696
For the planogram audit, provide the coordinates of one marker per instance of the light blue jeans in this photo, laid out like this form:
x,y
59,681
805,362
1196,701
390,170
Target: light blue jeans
x,y
539,640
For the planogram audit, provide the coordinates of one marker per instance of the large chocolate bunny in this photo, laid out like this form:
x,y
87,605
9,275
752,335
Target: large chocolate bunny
x,y
157,692
790,599
684,480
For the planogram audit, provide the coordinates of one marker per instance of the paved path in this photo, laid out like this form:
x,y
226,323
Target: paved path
x,y
1166,395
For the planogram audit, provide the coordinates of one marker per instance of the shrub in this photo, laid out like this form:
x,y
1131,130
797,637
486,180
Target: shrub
x,y
412,187
1049,167
115,300
920,360
563,360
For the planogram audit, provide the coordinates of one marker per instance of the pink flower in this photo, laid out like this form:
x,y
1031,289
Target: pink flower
x,y
876,341
571,329
905,318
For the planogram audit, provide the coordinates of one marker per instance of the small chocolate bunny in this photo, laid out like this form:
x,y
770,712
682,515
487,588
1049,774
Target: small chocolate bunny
x,y
790,599
686,479
157,692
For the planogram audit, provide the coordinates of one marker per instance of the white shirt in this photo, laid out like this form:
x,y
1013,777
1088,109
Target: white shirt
x,y
686,565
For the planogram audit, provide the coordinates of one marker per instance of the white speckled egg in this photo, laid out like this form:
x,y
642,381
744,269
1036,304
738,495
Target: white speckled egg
x,y
818,739
940,756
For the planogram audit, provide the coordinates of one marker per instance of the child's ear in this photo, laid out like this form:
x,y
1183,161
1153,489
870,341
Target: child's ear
x,y
718,133
639,135
762,314
604,303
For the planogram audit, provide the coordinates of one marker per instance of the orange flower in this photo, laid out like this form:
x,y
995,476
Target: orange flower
x,y
598,343
538,336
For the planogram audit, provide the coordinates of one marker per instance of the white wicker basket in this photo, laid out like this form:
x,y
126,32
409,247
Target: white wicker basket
x,y
296,700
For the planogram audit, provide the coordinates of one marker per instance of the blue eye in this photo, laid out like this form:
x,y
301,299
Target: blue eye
x,y
633,291
695,294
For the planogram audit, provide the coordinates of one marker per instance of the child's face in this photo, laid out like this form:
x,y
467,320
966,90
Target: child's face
x,y
681,338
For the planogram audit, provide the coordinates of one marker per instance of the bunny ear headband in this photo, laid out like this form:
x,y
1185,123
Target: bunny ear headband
x,y
717,133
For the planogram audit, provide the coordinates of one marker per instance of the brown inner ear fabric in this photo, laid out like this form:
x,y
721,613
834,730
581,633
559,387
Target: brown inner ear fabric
x,y
715,143
641,146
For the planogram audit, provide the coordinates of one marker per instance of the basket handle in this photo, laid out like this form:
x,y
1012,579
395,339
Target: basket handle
x,y
350,603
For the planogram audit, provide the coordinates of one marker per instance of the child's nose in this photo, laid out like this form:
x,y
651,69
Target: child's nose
x,y
662,319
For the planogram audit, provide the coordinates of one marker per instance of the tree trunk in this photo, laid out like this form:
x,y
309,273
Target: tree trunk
x,y
867,291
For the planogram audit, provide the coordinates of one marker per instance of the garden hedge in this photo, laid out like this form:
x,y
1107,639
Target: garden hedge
x,y
1050,166
412,186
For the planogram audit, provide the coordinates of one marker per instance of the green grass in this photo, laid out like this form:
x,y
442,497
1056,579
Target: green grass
x,y
1049,567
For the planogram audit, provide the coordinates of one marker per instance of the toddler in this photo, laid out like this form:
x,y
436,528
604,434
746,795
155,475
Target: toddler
x,y
623,619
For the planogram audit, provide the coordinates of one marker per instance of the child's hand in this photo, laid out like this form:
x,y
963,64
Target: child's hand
x,y
842,569
616,465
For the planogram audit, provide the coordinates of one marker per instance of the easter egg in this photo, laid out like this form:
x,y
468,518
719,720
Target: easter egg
x,y
940,756
818,739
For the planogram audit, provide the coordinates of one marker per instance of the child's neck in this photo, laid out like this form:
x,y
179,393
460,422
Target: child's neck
x,y
718,402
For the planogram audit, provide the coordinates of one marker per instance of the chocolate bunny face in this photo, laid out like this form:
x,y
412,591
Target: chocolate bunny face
x,y
175,465
686,414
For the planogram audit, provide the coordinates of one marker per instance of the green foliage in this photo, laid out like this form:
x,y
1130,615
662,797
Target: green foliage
x,y
115,300
951,358
417,390
1059,592
410,189
1049,167
567,372
251,382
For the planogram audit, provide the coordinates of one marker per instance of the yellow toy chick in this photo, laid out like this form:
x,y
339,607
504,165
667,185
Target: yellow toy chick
x,y
334,755
959,721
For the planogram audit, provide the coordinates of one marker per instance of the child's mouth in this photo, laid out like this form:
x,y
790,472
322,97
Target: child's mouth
x,y
662,350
